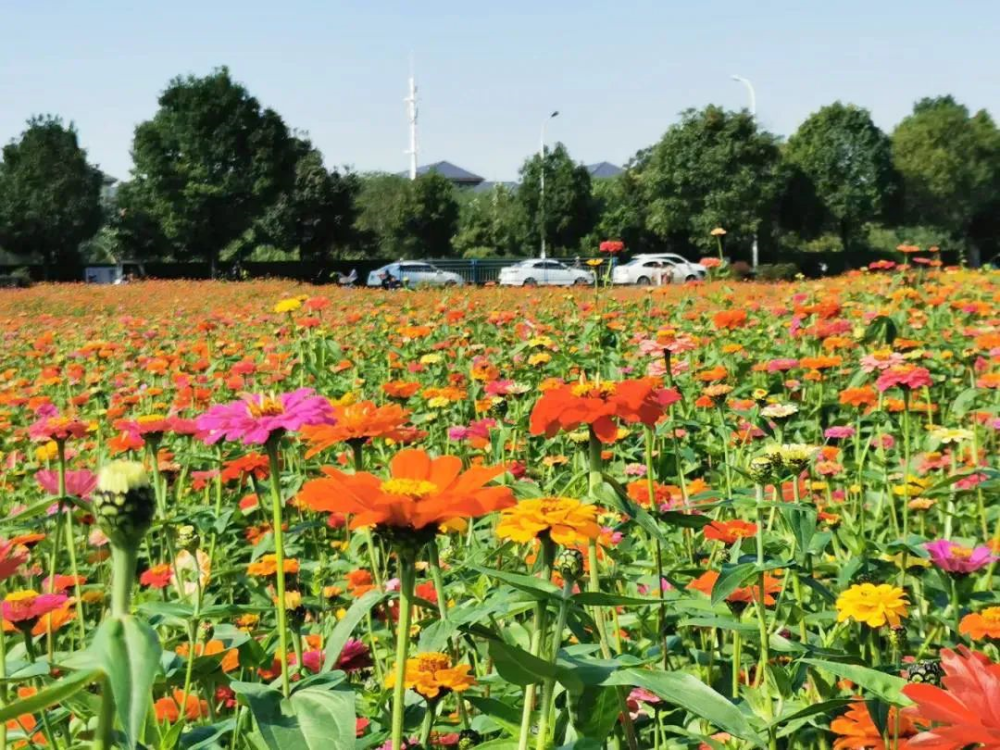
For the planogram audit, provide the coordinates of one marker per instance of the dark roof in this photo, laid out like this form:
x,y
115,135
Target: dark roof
x,y
449,171
485,187
603,170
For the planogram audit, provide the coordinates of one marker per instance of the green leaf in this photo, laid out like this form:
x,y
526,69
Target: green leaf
x,y
823,707
886,686
594,711
518,666
619,497
504,714
326,717
314,718
342,632
688,692
536,587
128,651
603,599
732,578
51,694
684,520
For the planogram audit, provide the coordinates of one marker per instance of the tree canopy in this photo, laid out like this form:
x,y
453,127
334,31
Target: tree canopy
x,y
50,196
566,214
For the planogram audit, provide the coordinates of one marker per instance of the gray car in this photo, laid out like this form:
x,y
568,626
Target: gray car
x,y
414,273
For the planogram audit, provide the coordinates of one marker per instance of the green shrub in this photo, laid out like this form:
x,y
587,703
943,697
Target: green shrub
x,y
777,271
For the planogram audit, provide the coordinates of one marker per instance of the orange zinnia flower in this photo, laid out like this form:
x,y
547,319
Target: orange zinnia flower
x,y
729,532
421,491
857,731
432,674
858,397
730,319
268,566
599,405
356,422
966,710
981,625
706,582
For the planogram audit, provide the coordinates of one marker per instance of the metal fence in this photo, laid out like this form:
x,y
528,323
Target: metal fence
x,y
487,271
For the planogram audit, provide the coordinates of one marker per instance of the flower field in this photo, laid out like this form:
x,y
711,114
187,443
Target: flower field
x,y
269,515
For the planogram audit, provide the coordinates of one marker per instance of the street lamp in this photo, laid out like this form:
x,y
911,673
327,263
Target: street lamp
x,y
753,114
541,193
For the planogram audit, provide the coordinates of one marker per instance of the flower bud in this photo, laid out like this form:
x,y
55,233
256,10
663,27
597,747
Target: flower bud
x,y
929,672
123,503
187,538
761,469
570,564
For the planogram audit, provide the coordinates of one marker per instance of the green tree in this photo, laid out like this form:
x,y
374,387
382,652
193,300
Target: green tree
x,y
566,214
713,168
950,163
210,162
848,161
431,216
316,215
621,212
490,223
400,218
50,197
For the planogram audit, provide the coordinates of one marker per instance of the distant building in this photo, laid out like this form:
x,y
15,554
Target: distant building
x,y
456,175
488,185
604,170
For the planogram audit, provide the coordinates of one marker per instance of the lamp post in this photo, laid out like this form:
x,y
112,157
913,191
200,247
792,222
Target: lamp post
x,y
541,192
753,114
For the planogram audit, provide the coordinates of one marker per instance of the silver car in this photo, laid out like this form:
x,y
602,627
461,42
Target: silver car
x,y
544,272
413,273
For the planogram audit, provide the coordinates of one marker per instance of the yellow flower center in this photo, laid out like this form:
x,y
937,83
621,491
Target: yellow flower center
x,y
991,614
433,662
415,488
963,553
25,595
150,418
268,407
593,390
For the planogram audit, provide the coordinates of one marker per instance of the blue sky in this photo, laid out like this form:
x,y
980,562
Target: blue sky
x,y
619,72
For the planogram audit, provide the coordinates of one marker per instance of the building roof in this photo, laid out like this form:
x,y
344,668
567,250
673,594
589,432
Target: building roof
x,y
449,171
603,170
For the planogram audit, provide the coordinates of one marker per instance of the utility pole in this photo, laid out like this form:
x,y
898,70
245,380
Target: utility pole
x,y
541,191
753,114
411,112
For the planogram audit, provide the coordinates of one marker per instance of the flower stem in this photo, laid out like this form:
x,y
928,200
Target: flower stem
x,y
123,562
548,687
407,582
537,639
279,555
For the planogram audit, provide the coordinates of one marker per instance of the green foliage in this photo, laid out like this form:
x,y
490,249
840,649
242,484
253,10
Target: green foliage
x,y
210,162
776,271
885,239
402,218
950,162
566,215
714,168
50,197
621,213
316,214
490,223
848,162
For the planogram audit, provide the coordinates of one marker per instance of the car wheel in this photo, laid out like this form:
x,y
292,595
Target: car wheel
x,y
530,282
449,283
643,281
691,277
581,282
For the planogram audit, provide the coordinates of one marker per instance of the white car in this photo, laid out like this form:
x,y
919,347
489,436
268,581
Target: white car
x,y
544,272
657,269
414,273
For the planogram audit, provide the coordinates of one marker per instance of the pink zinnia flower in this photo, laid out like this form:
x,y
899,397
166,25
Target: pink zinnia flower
x,y
79,483
354,656
839,432
28,606
782,365
255,418
57,428
907,376
958,560
872,362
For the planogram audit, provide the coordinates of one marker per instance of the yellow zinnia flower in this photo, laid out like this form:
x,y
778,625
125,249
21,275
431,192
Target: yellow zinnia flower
x,y
874,605
432,674
565,520
288,305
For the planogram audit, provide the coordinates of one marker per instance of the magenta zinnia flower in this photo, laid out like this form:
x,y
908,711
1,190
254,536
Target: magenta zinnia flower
x,y
79,483
255,418
956,559
354,656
